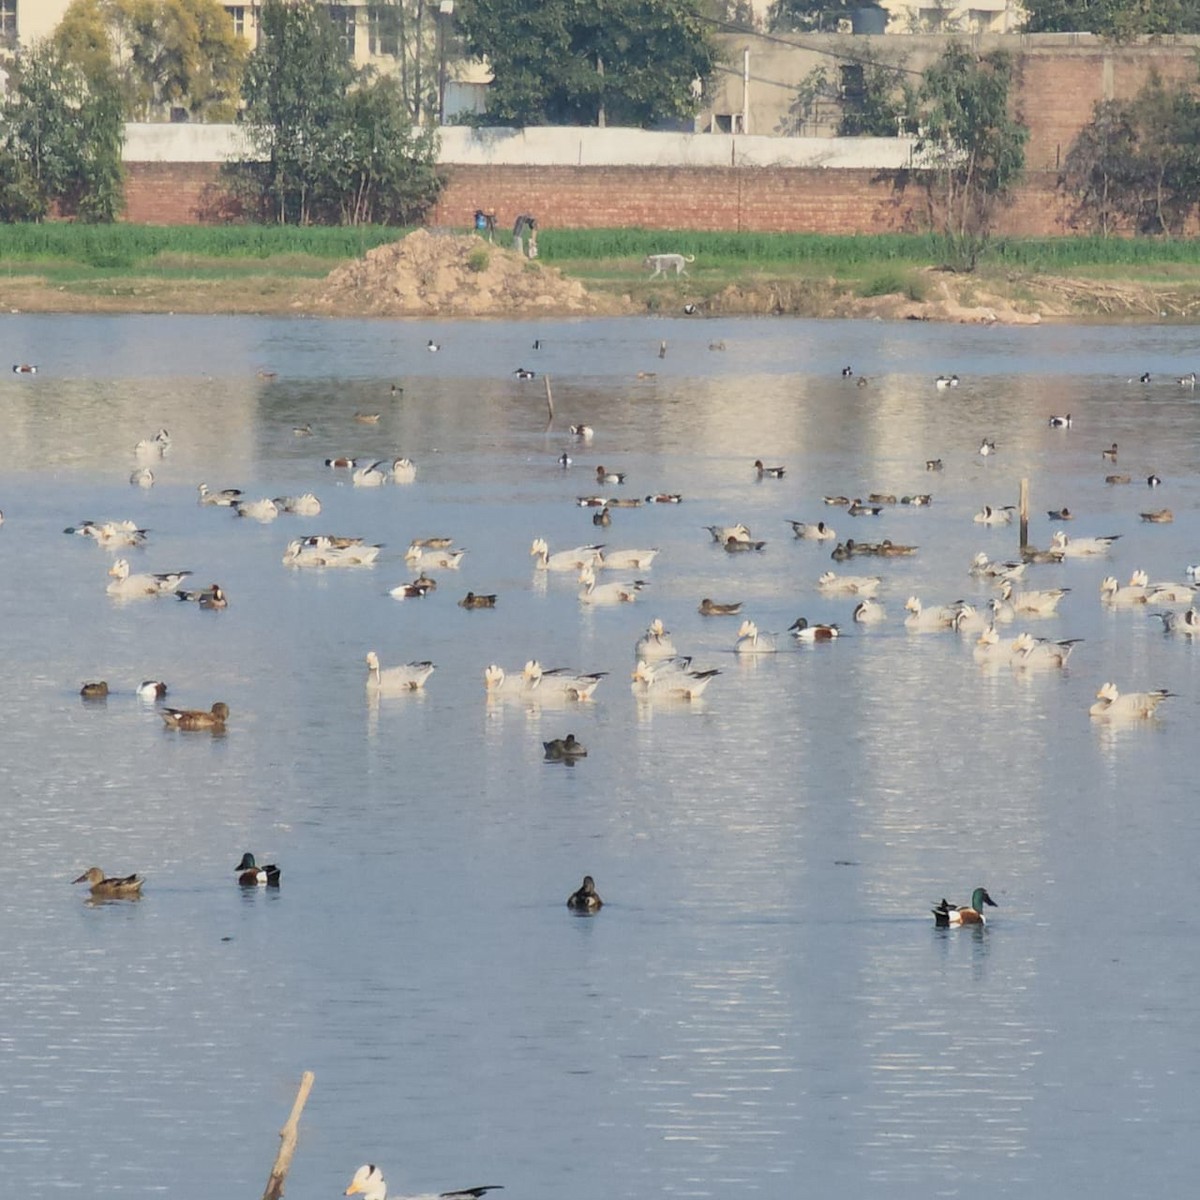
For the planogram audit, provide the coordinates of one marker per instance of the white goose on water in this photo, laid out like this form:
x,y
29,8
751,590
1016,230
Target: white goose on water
x,y
563,560
607,593
128,586
369,1183
655,643
750,641
1112,704
1072,547
407,677
671,678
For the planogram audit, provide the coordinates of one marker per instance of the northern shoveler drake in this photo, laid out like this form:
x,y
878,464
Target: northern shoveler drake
x,y
408,677
106,887
341,462
197,718
1115,705
946,381
564,748
152,689
24,368
947,914
804,632
95,690
603,476
368,1182
1060,422
470,600
250,874
1153,480
711,608
987,446
525,373
665,498
586,899
768,472
1109,455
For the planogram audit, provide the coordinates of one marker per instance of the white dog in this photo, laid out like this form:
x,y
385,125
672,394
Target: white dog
x,y
662,263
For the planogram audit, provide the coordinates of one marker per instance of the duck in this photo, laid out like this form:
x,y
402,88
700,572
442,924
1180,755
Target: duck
x,y
263,510
111,887
196,595
250,874
847,372
750,641
196,718
126,586
1118,480
225,498
945,381
1110,455
143,477
933,464
471,600
369,475
1187,622
987,446
884,498
368,1180
988,515
1061,514
626,560
592,501
408,591
1153,480
890,549
859,509
1060,422
665,498
714,608
836,501
304,430
408,677
565,460
655,643
586,899
94,690
818,532
564,748
560,681
927,620
768,472
607,593
735,545
583,432
671,678
802,631
946,914
433,347
151,689
24,368
342,463
602,517
603,476
367,418
1113,704
525,373
213,598
626,502
869,612
919,500
1144,377
1078,547
852,585
564,560
1160,516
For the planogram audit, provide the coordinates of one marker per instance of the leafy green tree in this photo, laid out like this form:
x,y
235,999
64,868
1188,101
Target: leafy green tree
x,y
972,146
1120,19
337,145
628,62
1103,168
60,140
165,53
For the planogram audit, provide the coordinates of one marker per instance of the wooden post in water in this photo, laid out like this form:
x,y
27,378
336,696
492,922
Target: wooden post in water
x,y
1024,502
287,1136
549,402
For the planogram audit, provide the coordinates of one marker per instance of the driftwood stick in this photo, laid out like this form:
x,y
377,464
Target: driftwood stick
x,y
1023,503
287,1139
549,402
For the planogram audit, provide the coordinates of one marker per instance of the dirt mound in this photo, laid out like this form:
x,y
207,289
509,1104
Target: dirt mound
x,y
450,275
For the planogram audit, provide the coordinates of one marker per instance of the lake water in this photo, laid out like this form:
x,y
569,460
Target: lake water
x,y
763,1007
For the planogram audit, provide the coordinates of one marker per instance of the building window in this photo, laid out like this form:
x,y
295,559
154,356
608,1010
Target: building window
x,y
237,14
343,18
8,20
383,29
851,82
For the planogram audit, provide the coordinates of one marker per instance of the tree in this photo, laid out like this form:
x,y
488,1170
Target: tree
x,y
1102,167
61,140
336,144
1119,19
620,62
974,149
165,53
808,16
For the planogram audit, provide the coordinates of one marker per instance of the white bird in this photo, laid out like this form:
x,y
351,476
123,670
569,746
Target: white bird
x,y
1170,593
1115,705
372,475
226,497
322,550
982,565
1029,652
607,593
655,643
1135,592
988,515
368,1180
990,649
818,532
626,560
1060,422
408,677
849,585
1187,622
969,619
444,560
671,678
403,470
946,381
1034,603
927,620
563,560
869,612
1071,547
722,533
263,510
987,446
306,505
143,477
128,586
750,641
560,681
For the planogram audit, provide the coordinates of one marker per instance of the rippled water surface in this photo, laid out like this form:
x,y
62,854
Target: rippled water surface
x,y
763,1007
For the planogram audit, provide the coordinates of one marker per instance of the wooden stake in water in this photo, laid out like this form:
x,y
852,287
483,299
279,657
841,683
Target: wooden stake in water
x,y
1024,514
287,1147
549,402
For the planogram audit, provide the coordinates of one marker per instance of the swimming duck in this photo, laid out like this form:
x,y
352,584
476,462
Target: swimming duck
x,y
836,501
1077,547
470,600
24,368
1144,377
1117,480
525,373
712,608
945,381
947,914
250,874
607,593
368,1180
151,689
433,347
565,460
408,677
1161,516
920,500
143,477
1153,480
560,681
304,430
735,545
105,887
592,501
818,532
196,718
196,595
1061,514
722,533
603,476
564,748
851,585
563,560
126,586
626,560
847,372
671,678
366,418
585,432
869,612
882,498
603,518
768,472
750,641
94,690
890,549
626,502
1184,622
342,462
213,598
586,899
1109,455
987,446
1115,705
1060,422
802,631
665,498
933,464
859,509
988,515
655,643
